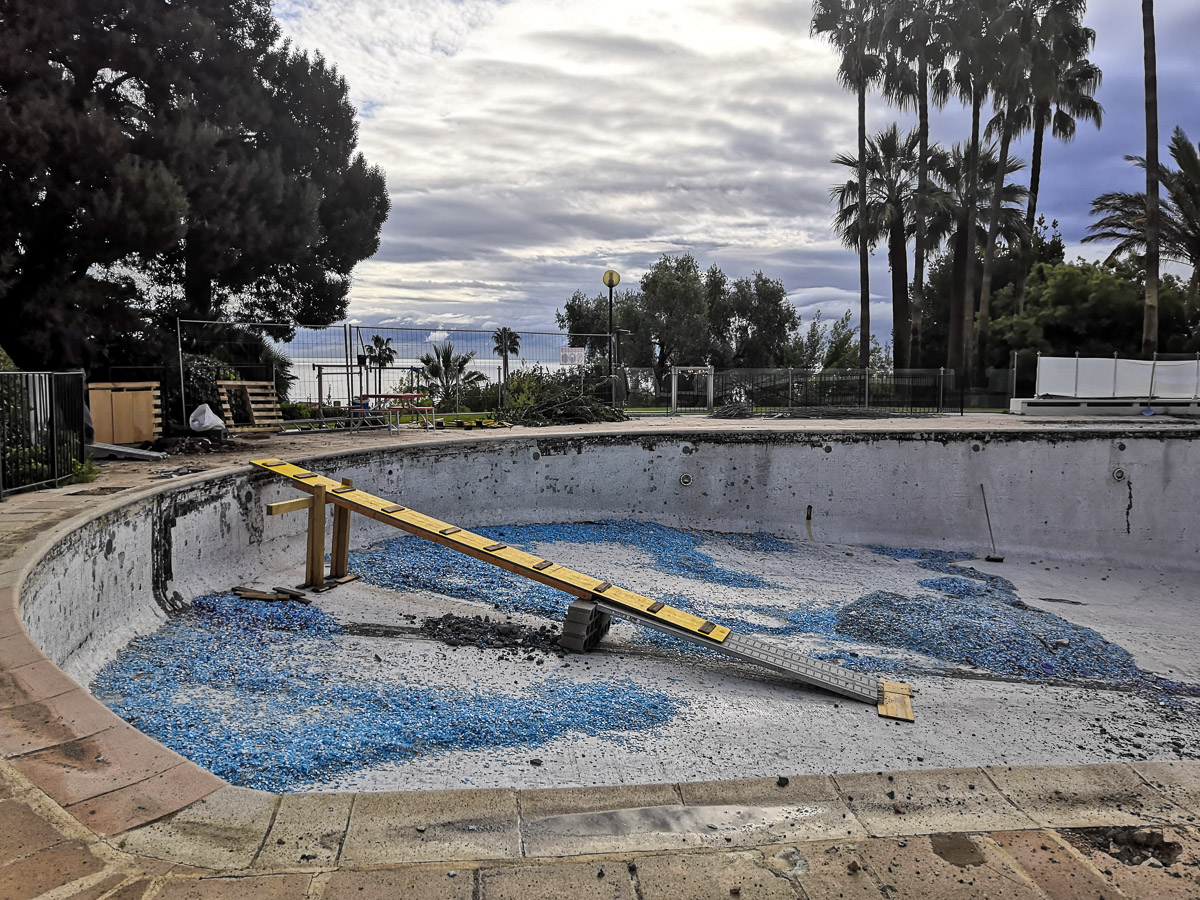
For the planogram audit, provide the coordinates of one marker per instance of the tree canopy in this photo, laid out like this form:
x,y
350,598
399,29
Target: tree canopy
x,y
170,158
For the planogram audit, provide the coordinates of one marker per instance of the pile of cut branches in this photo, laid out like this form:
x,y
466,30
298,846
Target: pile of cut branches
x,y
539,397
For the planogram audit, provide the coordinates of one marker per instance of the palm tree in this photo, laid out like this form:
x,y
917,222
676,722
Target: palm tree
x,y
1062,85
447,371
974,33
505,343
1150,319
915,74
1124,214
380,354
891,188
1013,33
951,219
850,25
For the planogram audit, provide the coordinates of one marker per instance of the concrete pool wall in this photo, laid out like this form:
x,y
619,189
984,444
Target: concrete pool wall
x,y
1116,496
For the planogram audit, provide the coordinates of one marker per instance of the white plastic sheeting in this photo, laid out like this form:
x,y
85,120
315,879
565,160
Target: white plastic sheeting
x,y
1073,376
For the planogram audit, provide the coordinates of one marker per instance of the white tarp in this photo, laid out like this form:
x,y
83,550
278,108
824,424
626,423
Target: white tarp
x,y
1070,376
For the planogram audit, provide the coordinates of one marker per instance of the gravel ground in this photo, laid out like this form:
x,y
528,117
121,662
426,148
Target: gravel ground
x,y
1029,661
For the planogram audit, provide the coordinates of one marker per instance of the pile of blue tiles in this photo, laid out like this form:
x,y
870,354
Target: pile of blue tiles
x,y
267,696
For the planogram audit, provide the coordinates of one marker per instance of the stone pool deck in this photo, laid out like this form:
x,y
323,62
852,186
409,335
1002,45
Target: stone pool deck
x,y
90,807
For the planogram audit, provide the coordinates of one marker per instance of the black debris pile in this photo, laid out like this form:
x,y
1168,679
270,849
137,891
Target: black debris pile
x,y
1133,845
488,633
195,446
732,411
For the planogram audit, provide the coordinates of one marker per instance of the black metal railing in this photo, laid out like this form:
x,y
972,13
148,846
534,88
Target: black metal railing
x,y
778,390
41,428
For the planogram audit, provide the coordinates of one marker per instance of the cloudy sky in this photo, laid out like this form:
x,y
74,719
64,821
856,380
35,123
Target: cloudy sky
x,y
531,144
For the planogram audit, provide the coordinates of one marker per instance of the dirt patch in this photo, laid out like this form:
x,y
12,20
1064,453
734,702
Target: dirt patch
x,y
956,849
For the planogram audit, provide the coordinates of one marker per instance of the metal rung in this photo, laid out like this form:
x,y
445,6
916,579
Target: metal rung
x,y
655,606
307,475
391,509
272,465
450,530
602,587
707,627
495,547
544,564
344,490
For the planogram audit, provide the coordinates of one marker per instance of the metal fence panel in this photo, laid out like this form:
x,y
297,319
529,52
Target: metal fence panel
x,y
41,428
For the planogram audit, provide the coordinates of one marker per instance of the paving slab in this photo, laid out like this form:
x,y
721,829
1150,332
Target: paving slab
x,y
608,880
1079,796
925,802
55,720
146,800
1053,866
307,832
259,887
224,831
569,821
825,871
135,890
18,650
46,869
1178,881
417,883
31,682
712,876
94,765
430,826
24,831
951,866
802,808
1180,781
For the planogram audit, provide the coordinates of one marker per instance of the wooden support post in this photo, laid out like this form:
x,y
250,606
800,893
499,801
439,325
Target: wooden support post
x,y
314,570
339,561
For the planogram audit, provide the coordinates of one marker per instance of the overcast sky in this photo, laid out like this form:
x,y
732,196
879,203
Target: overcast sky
x,y
531,144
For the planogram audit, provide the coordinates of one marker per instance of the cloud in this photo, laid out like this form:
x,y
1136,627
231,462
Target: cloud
x,y
530,146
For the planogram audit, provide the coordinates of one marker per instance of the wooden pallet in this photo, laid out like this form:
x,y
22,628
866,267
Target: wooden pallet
x,y
261,404
125,412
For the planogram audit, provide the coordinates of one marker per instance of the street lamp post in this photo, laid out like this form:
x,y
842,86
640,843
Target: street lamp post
x,y
611,280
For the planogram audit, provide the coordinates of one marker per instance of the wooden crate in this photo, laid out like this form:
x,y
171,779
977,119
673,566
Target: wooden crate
x,y
260,401
125,412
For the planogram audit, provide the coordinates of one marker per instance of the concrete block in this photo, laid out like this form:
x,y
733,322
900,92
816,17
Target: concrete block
x,y
37,873
712,876
307,832
1178,780
606,880
222,832
388,884
945,867
31,682
1052,866
806,808
18,650
916,802
103,762
1081,796
431,826
260,887
55,720
24,831
569,821
824,871
147,800
1178,881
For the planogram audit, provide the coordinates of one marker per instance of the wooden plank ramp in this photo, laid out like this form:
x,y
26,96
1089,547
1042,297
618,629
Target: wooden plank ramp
x,y
893,700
